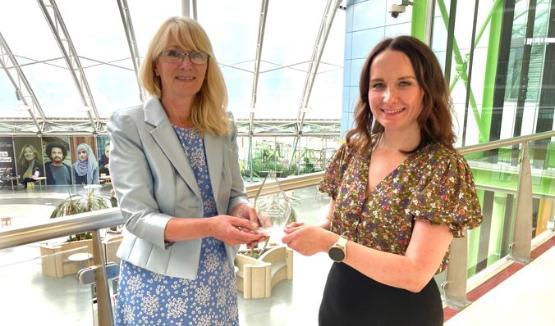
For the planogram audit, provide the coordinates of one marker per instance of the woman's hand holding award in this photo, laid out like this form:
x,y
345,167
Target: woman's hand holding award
x,y
274,210
274,213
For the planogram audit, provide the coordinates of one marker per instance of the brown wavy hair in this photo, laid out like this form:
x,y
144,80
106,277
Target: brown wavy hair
x,y
436,125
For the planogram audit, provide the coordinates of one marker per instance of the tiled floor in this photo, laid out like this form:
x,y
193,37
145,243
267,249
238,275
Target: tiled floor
x,y
525,298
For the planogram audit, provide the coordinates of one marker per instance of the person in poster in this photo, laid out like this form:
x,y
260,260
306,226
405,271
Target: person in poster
x,y
104,162
28,159
85,168
57,172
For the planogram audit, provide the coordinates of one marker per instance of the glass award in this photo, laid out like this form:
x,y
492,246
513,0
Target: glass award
x,y
273,207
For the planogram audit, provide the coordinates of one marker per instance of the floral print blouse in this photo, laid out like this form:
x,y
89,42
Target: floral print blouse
x,y
434,184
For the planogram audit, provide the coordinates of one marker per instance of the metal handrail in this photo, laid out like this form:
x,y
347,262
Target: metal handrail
x,y
305,180
456,279
506,142
64,226
61,226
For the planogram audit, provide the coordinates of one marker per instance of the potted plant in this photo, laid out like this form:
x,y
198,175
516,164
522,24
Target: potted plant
x,y
55,256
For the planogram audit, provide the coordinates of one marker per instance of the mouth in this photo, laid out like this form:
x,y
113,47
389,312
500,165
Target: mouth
x,y
185,78
392,112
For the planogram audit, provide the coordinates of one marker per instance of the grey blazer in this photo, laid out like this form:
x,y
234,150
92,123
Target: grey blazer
x,y
154,182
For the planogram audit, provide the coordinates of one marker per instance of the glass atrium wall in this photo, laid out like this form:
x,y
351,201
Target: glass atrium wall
x,y
497,57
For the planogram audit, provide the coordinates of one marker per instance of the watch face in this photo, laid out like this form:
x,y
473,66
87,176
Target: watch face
x,y
336,254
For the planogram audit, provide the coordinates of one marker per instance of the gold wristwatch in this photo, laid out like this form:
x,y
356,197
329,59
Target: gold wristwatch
x,y
338,251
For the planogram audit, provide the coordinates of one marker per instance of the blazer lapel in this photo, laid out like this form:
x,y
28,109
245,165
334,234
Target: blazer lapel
x,y
167,140
213,147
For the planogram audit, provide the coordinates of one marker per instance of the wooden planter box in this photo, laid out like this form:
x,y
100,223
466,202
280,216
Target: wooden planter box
x,y
55,257
55,262
255,277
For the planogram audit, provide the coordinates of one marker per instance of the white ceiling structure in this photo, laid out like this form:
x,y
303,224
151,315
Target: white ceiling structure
x,y
66,65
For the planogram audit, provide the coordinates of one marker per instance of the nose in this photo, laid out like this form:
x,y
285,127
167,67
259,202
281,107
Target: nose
x,y
390,95
186,61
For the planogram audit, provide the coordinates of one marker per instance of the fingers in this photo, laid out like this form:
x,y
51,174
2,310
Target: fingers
x,y
247,212
293,227
244,231
289,237
240,237
242,223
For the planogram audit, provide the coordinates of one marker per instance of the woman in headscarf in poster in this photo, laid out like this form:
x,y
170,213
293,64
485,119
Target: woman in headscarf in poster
x,y
85,168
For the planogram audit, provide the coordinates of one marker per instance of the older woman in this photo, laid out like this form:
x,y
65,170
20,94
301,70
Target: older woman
x,y
400,193
174,165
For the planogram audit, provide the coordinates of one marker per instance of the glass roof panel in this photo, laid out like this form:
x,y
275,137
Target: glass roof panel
x,y
113,87
239,85
279,94
26,31
31,41
104,53
99,38
290,47
9,105
325,99
55,90
326,96
233,31
97,35
285,43
147,16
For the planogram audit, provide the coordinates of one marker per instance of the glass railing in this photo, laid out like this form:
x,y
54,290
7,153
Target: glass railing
x,y
516,188
517,202
64,276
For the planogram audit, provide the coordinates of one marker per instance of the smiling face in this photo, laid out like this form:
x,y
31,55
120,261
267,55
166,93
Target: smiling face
x,y
28,153
182,79
395,97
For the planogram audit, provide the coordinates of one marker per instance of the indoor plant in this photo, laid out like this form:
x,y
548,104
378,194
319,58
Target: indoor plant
x,y
55,255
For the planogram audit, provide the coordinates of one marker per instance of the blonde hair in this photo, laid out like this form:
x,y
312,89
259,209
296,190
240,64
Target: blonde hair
x,y
209,107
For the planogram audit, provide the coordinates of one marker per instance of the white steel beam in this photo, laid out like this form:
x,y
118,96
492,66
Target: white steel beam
x,y
61,34
23,90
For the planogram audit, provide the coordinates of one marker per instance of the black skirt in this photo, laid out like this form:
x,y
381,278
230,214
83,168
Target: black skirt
x,y
351,298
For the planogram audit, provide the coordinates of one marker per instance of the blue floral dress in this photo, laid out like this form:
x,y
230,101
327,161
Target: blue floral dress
x,y
148,298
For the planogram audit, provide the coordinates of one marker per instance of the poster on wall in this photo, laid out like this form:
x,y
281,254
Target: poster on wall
x,y
56,153
28,157
85,164
7,158
103,146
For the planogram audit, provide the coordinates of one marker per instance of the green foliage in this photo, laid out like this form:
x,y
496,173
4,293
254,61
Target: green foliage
x,y
266,159
75,204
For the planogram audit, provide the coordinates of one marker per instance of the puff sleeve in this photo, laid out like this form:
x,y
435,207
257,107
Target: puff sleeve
x,y
334,172
449,197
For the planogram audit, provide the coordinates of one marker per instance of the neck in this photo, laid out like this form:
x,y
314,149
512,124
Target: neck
x,y
178,110
56,163
405,140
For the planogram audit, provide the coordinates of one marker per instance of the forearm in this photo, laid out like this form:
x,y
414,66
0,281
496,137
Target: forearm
x,y
394,270
391,269
410,271
181,229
